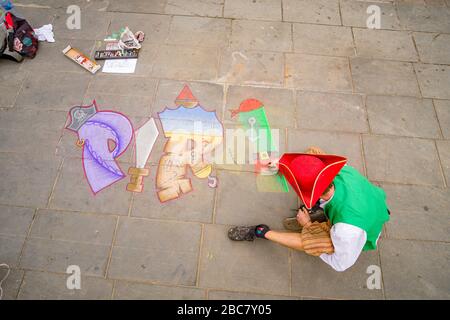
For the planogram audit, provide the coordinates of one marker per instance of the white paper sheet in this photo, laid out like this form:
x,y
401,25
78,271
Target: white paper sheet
x,y
118,65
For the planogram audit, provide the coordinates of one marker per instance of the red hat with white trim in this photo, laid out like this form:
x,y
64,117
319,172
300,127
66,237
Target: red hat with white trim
x,y
310,175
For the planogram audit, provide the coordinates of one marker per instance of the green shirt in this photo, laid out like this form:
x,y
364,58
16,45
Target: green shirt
x,y
358,202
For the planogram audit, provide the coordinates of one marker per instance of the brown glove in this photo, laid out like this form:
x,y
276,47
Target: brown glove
x,y
316,239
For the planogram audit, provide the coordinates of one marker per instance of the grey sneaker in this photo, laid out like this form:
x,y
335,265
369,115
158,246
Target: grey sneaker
x,y
242,233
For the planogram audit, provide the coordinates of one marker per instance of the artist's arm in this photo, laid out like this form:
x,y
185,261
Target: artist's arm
x,y
348,242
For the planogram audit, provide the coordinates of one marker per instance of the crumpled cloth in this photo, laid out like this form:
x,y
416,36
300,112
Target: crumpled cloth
x,y
45,33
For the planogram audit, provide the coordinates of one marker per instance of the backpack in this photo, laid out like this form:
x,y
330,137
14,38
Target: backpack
x,y
21,37
4,49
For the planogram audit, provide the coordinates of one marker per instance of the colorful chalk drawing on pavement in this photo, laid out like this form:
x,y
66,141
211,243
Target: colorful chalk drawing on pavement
x,y
193,134
104,136
252,117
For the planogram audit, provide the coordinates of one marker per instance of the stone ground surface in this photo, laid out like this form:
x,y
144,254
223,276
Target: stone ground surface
x,y
380,97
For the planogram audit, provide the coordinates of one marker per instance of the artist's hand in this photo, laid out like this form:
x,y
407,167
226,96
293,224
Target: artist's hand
x,y
303,217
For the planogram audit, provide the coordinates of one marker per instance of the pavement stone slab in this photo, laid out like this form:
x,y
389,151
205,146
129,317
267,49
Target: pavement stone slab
x,y
94,25
402,160
349,114
51,286
199,32
10,249
12,74
38,131
444,155
354,13
433,47
253,9
433,80
318,73
61,90
195,206
31,189
72,192
314,278
124,290
185,63
312,11
343,144
138,6
251,67
429,18
230,295
204,8
279,104
385,44
155,26
261,35
36,17
145,250
384,77
12,284
8,96
323,40
94,5
443,114
407,116
241,266
415,269
260,207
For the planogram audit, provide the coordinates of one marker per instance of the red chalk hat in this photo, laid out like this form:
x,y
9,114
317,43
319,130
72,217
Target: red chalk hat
x,y
310,175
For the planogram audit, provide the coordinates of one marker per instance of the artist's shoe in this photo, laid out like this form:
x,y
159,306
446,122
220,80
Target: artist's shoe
x,y
245,233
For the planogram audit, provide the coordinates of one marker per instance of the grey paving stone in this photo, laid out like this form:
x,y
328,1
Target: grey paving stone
x,y
132,96
145,250
208,8
185,63
444,154
259,207
433,80
433,47
72,192
279,104
230,295
75,227
354,13
253,9
344,144
30,130
312,11
8,95
36,17
385,44
403,116
313,277
155,26
424,17
196,206
415,269
61,90
138,6
261,35
94,5
241,266
50,286
199,31
443,114
12,284
50,57
348,112
56,256
15,221
323,40
317,73
402,160
12,74
31,189
94,25
251,67
384,77
10,249
139,291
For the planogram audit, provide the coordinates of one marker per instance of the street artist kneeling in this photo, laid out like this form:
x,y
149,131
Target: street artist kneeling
x,y
355,210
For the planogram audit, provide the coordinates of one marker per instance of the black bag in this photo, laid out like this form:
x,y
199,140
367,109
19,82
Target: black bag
x,y
21,36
